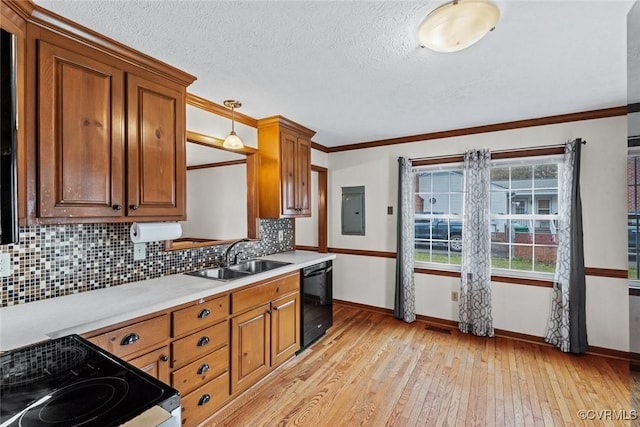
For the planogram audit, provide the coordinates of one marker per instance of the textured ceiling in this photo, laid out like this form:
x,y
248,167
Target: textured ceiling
x,y
353,70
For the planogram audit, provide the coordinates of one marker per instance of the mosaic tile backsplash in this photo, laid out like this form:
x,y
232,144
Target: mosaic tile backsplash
x,y
55,260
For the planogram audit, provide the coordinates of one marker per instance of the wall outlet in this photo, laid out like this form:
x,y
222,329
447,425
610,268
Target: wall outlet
x,y
280,235
454,295
139,251
5,265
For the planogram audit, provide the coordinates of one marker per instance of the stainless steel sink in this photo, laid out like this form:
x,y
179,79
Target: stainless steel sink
x,y
224,274
258,266
238,271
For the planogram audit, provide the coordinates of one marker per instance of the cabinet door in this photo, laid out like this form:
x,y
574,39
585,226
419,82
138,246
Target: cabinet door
x,y
285,328
303,177
156,138
80,135
288,173
155,363
250,347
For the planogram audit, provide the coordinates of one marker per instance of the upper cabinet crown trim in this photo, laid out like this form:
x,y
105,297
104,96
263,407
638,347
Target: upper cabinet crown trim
x,y
283,121
46,19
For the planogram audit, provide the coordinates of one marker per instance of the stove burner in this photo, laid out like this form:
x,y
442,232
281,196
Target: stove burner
x,y
78,403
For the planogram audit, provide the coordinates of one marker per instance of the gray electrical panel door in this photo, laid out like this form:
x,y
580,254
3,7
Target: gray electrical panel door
x,y
353,210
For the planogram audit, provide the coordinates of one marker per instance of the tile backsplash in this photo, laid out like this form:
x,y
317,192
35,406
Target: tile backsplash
x,y
55,260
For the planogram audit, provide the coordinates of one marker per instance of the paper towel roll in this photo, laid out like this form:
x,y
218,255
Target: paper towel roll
x,y
155,231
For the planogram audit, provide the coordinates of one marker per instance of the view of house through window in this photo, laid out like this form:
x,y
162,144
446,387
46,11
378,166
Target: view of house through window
x,y
438,214
633,188
524,214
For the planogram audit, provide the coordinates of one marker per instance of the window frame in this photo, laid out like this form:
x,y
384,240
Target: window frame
x,y
633,153
534,156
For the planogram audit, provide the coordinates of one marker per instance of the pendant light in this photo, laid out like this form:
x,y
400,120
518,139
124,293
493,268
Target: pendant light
x,y
232,141
458,24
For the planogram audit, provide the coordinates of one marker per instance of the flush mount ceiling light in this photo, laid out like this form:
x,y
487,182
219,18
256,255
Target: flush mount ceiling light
x,y
458,24
232,141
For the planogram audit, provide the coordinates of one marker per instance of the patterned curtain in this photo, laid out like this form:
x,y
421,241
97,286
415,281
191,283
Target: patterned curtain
x,y
475,291
567,328
405,305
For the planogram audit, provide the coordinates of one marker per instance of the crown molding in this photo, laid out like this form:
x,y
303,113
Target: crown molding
x,y
518,124
47,20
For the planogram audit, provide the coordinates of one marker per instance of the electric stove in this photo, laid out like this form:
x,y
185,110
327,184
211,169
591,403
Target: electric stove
x,y
70,382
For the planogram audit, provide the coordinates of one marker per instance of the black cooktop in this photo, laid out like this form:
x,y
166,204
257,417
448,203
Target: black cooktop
x,y
71,382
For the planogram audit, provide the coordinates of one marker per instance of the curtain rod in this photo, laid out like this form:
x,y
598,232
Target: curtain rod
x,y
525,151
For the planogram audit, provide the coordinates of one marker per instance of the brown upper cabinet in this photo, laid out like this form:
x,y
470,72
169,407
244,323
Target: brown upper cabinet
x,y
105,127
284,149
111,143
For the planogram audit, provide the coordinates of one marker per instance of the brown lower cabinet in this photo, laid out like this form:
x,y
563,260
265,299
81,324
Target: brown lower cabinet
x,y
213,348
154,363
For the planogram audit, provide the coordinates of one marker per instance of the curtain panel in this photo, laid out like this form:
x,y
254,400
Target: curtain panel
x,y
567,328
475,289
404,304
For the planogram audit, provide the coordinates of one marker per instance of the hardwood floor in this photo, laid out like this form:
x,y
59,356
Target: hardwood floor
x,y
373,370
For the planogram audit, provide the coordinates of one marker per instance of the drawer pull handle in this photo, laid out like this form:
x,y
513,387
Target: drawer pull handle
x,y
130,339
204,313
203,341
203,369
204,399
164,358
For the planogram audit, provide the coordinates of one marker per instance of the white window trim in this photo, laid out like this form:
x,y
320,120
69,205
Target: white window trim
x,y
523,161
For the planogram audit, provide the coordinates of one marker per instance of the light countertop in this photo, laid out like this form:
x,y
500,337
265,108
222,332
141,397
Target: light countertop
x,y
25,324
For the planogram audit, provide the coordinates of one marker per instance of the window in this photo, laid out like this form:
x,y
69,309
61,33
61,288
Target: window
x,y
524,211
633,223
438,214
524,214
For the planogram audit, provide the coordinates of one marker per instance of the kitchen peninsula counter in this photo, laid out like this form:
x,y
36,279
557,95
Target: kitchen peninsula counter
x,y
25,324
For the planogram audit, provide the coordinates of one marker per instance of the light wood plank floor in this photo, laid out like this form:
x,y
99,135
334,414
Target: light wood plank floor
x,y
373,370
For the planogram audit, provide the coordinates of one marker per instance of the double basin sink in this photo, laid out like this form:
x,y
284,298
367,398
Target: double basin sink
x,y
238,271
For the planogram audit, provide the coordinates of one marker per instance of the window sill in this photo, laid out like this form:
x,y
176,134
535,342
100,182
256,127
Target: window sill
x,y
502,276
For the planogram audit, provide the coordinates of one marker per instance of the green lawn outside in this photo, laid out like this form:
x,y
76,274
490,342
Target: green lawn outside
x,y
516,263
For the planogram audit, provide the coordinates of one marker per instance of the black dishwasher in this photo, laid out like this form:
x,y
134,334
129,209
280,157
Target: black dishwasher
x,y
317,302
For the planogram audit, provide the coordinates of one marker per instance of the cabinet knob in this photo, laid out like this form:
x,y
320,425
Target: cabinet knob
x,y
164,358
275,307
268,311
133,207
204,399
203,369
203,341
116,207
203,313
130,339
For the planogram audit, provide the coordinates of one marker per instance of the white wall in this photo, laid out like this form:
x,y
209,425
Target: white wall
x,y
634,327
307,228
517,308
202,121
216,203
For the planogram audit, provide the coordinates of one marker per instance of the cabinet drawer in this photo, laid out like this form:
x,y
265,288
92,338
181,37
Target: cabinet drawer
x,y
204,401
200,315
130,339
199,343
202,370
264,293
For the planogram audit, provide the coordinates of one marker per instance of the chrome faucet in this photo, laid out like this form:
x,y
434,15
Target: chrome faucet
x,y
228,251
